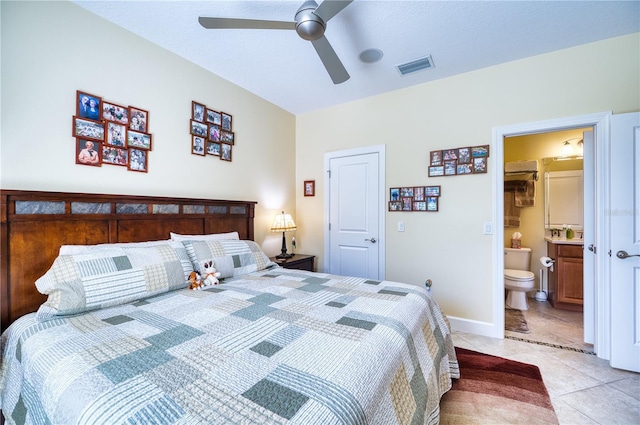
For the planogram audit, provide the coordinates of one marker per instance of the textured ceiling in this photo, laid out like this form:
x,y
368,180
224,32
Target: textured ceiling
x,y
284,69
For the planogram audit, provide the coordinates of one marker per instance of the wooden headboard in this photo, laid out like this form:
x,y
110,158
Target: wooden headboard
x,y
35,224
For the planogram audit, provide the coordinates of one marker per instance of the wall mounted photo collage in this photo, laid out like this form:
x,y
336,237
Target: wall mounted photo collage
x,y
459,161
211,132
108,133
414,198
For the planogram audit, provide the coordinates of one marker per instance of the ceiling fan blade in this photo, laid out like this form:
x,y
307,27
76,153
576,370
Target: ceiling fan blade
x,y
330,60
231,23
330,8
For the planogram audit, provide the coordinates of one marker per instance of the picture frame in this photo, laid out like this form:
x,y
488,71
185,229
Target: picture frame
x,y
464,169
227,137
479,165
450,154
436,171
480,151
406,192
418,193
432,191
213,148
88,129
419,206
198,129
138,119
464,155
225,152
309,188
214,117
450,168
115,113
139,140
407,204
413,198
88,152
435,158
116,134
395,206
214,133
138,160
226,121
115,156
394,195
432,203
88,106
197,111
197,145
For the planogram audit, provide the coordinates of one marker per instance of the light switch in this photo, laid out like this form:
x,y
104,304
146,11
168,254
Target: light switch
x,y
487,228
401,226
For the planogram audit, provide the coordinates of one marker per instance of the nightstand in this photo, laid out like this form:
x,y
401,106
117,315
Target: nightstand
x,y
298,261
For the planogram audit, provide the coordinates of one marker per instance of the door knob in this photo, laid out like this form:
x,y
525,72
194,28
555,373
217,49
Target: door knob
x,y
372,240
624,254
592,248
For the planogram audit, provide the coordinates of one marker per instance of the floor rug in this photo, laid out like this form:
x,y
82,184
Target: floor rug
x,y
514,321
494,390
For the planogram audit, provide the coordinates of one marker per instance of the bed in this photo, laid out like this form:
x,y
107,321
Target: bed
x,y
102,330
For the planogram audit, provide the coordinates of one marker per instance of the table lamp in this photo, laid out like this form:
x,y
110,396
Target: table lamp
x,y
283,223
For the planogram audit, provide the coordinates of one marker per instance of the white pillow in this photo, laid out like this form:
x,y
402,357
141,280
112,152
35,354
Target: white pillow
x,y
85,249
211,237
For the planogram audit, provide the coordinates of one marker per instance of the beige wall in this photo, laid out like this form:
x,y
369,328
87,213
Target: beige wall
x,y
449,246
52,49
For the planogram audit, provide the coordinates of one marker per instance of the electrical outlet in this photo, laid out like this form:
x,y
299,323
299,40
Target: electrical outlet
x,y
401,226
487,228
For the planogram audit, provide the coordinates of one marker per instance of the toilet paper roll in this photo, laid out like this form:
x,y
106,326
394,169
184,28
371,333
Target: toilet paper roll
x,y
546,261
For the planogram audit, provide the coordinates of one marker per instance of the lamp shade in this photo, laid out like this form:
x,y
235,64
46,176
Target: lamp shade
x,y
283,223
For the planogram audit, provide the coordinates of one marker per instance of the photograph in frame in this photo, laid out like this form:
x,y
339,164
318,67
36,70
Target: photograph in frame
x,y
406,204
116,134
214,117
450,154
464,169
214,133
395,206
436,171
450,168
480,151
418,193
394,194
432,190
464,156
198,129
436,158
138,119
88,152
406,192
479,165
197,145
213,148
419,206
87,128
138,160
225,152
197,111
227,137
115,113
432,203
226,121
139,140
115,156
88,106
309,188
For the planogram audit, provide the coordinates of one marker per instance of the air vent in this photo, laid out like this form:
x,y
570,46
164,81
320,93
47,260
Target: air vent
x,y
415,65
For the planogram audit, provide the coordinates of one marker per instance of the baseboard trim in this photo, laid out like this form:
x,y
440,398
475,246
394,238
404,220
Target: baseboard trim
x,y
473,327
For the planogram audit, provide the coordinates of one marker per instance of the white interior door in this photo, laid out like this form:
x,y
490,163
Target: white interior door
x,y
624,245
355,217
589,239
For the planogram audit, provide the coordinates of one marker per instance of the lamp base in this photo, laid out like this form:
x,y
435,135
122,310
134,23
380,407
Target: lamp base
x,y
284,256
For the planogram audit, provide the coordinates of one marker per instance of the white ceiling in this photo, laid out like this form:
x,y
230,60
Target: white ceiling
x,y
284,69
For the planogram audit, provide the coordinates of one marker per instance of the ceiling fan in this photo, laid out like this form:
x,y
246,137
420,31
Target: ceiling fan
x,y
310,24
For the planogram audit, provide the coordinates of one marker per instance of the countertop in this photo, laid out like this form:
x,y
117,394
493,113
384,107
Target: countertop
x,y
564,241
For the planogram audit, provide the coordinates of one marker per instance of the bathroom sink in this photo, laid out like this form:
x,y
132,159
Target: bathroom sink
x,y
564,241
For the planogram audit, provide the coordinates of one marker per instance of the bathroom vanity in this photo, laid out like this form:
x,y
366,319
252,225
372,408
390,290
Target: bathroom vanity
x,y
566,280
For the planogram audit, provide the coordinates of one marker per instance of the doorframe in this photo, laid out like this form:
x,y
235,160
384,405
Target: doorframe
x,y
381,151
601,123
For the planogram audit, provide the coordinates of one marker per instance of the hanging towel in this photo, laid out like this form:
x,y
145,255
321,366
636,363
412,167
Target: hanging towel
x,y
511,212
521,166
526,197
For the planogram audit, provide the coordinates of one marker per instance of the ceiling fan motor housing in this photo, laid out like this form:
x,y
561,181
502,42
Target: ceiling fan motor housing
x,y
309,26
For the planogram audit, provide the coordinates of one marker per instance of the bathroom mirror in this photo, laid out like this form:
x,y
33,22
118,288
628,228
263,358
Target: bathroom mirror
x,y
563,199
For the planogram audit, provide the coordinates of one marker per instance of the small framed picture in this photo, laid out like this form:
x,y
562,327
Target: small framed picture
x,y
418,193
309,188
115,113
214,117
395,206
214,133
436,170
464,156
116,134
138,119
432,190
227,137
198,129
419,206
115,156
88,129
197,111
137,139
213,148
225,152
197,145
450,154
406,192
138,160
480,151
436,158
226,121
88,152
394,194
450,168
407,204
88,106
464,169
479,165
432,203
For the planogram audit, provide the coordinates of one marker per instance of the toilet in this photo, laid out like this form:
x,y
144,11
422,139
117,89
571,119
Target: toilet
x,y
518,280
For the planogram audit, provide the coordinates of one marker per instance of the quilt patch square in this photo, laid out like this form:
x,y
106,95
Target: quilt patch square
x,y
390,292
254,312
266,348
133,364
335,304
356,323
279,399
116,320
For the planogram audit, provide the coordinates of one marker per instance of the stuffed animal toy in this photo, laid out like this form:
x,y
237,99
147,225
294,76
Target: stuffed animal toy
x,y
195,281
210,274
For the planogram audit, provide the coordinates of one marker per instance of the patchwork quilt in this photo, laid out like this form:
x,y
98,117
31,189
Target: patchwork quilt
x,y
277,346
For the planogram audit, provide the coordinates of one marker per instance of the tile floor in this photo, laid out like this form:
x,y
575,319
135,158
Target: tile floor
x,y
583,388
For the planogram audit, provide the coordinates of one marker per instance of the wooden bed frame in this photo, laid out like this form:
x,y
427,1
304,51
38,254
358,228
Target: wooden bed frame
x,y
35,224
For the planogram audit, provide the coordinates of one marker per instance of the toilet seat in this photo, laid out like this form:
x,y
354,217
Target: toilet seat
x,y
518,275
